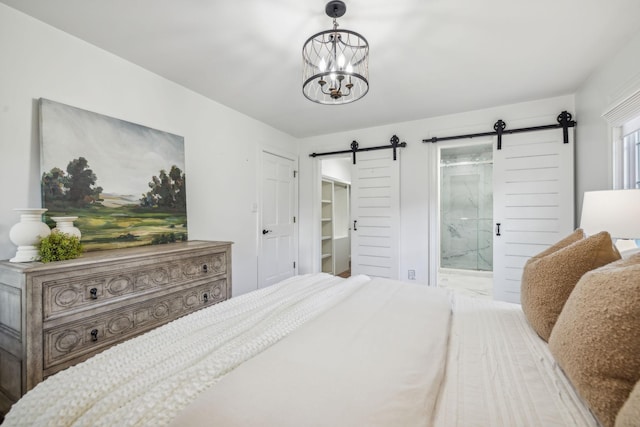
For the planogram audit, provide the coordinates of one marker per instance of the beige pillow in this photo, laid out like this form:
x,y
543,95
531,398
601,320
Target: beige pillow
x,y
548,280
629,415
578,234
596,340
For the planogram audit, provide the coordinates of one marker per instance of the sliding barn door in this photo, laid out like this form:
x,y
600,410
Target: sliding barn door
x,y
533,196
375,208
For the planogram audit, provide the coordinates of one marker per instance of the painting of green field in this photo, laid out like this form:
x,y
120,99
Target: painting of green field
x,y
125,182
109,228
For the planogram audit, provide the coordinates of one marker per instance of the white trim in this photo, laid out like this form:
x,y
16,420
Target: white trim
x,y
434,213
622,116
631,126
616,158
623,110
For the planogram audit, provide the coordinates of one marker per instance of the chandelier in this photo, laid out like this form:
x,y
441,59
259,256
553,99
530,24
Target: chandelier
x,y
335,63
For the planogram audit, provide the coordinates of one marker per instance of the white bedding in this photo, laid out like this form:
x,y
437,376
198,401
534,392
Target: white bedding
x,y
349,352
375,359
501,374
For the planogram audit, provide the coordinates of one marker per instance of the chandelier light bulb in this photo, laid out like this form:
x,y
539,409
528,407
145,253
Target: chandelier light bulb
x,y
322,66
349,68
341,61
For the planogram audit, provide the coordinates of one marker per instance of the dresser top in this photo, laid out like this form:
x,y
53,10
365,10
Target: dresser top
x,y
115,254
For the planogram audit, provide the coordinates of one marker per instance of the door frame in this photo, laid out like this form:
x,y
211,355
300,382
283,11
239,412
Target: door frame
x,y
434,200
259,209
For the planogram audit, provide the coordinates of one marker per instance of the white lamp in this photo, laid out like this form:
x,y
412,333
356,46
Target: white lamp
x,y
615,211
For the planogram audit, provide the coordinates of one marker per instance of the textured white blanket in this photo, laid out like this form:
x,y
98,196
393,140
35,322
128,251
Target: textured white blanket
x,y
151,378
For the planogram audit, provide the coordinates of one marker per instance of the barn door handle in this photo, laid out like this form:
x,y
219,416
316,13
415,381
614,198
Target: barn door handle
x,y
266,231
497,228
355,221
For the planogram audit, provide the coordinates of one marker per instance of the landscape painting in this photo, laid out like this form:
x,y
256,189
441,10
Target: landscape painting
x,y
125,182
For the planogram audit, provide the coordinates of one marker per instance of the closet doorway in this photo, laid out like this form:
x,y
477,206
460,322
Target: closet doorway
x,y
372,214
335,216
465,212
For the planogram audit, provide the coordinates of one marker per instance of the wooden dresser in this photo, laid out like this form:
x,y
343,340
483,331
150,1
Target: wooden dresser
x,y
55,315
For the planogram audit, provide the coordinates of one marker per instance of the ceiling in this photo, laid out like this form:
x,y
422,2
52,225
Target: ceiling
x,y
427,57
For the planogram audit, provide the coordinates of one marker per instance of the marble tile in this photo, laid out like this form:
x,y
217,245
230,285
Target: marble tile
x,y
476,285
466,212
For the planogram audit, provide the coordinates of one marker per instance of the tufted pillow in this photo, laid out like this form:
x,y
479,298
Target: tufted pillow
x,y
629,415
548,278
596,340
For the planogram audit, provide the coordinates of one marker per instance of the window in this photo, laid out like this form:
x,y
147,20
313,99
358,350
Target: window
x,y
631,147
627,155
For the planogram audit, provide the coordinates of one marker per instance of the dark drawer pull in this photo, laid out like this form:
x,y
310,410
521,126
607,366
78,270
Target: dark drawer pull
x,y
205,268
206,298
94,335
94,293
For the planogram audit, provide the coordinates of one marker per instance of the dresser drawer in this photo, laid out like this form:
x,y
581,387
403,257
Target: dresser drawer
x,y
89,336
62,294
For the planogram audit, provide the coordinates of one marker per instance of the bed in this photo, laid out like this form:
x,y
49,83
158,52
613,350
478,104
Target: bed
x,y
321,350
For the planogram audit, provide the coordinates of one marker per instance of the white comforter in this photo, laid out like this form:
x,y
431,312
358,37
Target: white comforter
x,y
375,359
149,379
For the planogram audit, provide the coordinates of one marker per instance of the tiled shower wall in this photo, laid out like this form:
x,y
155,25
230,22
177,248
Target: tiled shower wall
x,y
466,208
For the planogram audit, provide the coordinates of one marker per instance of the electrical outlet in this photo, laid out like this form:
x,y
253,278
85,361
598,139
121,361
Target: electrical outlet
x,y
412,275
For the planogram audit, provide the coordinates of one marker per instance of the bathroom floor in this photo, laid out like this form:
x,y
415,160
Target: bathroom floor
x,y
471,284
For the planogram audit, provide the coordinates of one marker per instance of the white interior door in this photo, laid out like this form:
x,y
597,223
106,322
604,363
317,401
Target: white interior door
x,y
533,194
277,255
375,210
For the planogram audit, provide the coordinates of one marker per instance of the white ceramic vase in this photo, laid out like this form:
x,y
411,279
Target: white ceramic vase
x,y
64,224
26,234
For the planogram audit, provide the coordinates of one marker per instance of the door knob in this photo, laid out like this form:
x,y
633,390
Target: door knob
x,y
266,231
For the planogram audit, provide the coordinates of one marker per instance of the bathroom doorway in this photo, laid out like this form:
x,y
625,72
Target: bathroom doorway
x,y
466,218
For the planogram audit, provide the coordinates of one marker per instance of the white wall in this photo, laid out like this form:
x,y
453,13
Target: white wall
x,y
415,172
222,146
612,81
337,168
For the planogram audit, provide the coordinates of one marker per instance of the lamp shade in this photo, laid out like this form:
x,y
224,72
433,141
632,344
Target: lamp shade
x,y
614,211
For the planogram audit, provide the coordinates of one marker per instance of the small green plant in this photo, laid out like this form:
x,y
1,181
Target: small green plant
x,y
59,246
